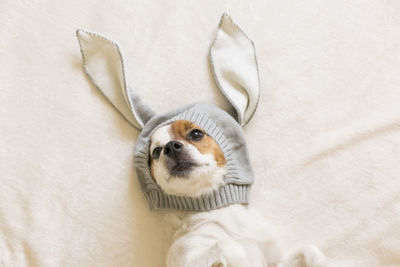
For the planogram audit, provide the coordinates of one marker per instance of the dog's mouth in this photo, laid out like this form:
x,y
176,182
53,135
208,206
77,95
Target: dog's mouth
x,y
182,168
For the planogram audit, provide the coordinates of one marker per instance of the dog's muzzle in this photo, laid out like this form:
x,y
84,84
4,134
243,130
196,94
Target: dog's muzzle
x,y
178,160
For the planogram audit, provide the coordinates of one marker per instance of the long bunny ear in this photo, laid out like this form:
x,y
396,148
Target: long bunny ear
x,y
234,63
104,65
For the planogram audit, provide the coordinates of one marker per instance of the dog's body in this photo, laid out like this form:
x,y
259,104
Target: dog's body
x,y
186,161
230,236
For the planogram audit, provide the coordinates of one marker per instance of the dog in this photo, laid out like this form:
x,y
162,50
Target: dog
x,y
186,161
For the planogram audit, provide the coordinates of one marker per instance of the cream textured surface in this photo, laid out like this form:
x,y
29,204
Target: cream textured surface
x,y
324,141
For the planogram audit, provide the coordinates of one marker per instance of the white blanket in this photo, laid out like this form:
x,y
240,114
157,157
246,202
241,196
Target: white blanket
x,y
324,141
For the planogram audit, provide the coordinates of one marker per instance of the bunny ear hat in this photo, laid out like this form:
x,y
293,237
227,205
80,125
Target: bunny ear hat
x,y
234,66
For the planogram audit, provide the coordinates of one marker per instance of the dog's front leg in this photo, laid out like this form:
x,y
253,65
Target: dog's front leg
x,y
194,250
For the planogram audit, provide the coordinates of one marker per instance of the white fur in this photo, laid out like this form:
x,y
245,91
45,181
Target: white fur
x,y
232,236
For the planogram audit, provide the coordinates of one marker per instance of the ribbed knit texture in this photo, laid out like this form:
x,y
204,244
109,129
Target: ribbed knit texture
x,y
229,136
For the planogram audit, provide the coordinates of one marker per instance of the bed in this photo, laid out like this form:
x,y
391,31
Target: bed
x,y
324,142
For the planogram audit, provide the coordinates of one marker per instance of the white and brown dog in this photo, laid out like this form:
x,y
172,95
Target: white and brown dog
x,y
186,161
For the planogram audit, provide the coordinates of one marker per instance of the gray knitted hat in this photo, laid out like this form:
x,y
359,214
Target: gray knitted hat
x,y
234,65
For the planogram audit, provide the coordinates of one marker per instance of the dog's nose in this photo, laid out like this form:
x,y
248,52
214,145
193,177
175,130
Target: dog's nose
x,y
172,148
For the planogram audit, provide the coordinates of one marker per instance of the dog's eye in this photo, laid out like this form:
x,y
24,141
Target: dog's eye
x,y
196,135
157,152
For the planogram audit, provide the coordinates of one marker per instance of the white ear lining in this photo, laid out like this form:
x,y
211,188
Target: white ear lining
x,y
234,64
103,63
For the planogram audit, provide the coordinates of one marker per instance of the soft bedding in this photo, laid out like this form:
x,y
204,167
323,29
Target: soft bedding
x,y
324,142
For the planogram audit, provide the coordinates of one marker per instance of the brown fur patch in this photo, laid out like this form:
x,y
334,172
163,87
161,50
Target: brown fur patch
x,y
207,145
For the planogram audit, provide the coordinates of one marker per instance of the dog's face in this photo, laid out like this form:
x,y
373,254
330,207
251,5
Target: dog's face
x,y
185,160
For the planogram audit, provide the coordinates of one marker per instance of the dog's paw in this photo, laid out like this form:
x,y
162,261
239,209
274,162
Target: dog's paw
x,y
228,253
218,264
306,257
314,257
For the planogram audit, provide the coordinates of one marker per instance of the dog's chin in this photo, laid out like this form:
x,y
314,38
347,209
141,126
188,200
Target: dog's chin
x,y
190,179
182,169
